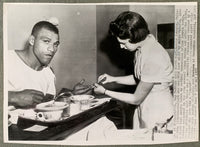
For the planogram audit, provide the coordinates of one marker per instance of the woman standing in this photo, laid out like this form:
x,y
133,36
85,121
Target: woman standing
x,y
152,67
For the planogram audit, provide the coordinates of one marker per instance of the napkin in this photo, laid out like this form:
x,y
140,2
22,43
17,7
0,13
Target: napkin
x,y
36,128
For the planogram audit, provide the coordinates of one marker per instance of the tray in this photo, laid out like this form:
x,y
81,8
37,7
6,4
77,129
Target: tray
x,y
24,122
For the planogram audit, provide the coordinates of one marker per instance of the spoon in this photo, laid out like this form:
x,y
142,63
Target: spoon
x,y
56,97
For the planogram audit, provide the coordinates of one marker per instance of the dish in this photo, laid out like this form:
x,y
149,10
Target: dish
x,y
81,97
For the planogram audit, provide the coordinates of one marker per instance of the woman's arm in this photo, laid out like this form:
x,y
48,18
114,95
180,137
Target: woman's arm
x,y
140,94
125,80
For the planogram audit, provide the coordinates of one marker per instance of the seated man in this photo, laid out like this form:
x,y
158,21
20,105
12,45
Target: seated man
x,y
30,79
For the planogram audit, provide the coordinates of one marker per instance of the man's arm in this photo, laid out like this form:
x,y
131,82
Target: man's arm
x,y
25,98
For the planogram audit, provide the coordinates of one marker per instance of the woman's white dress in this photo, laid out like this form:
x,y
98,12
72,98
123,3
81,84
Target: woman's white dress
x,y
153,65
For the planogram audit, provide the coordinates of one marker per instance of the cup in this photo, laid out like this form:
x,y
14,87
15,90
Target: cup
x,y
51,111
49,115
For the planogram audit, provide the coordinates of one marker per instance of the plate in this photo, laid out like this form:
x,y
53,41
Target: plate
x,y
81,97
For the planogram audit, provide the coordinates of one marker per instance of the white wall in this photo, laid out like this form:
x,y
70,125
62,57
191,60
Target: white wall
x,y
155,14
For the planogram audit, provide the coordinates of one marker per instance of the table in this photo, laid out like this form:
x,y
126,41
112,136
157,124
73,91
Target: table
x,y
64,129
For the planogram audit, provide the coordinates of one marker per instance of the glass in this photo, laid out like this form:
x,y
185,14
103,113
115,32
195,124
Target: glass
x,y
66,111
74,108
84,104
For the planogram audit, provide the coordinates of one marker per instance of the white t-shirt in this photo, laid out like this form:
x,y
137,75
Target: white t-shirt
x,y
21,76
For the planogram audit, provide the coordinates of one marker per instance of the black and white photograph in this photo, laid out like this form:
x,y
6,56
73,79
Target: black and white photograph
x,y
100,73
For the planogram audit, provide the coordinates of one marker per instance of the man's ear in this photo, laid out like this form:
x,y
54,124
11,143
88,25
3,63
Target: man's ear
x,y
31,40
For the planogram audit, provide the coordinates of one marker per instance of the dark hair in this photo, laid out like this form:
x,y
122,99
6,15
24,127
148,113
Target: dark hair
x,y
44,24
129,25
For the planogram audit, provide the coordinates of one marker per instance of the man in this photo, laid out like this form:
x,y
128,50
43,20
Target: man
x,y
30,79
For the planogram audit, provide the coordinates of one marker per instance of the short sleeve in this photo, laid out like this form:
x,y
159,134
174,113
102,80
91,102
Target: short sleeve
x,y
157,68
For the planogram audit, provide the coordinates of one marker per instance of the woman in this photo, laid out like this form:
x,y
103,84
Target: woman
x,y
152,67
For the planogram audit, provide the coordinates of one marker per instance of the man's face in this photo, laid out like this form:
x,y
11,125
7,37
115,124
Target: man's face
x,y
45,46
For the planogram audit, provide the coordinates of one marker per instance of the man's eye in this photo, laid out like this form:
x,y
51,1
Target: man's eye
x,y
55,45
46,41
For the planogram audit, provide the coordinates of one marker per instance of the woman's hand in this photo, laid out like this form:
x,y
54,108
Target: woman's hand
x,y
99,89
105,78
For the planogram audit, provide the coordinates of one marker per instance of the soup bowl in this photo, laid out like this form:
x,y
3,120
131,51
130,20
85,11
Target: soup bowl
x,y
50,111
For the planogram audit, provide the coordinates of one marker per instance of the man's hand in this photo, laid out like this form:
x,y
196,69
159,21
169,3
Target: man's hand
x,y
25,98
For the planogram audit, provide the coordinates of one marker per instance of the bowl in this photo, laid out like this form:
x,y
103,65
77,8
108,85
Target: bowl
x,y
51,106
50,111
81,102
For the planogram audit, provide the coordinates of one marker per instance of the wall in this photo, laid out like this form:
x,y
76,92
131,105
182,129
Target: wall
x,y
76,57
155,14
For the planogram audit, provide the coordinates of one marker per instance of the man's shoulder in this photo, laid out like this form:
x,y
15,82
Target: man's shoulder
x,y
13,54
12,58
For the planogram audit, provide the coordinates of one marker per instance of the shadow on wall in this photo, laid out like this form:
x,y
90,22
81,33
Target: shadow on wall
x,y
120,58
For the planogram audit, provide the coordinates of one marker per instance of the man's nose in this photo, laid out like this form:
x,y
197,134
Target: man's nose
x,y
51,48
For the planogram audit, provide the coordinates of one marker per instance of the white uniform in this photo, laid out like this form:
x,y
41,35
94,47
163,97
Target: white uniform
x,y
153,65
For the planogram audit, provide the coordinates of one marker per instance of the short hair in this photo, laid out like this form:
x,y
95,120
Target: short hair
x,y
129,25
44,24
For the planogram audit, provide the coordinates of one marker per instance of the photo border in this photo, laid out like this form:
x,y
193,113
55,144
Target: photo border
x,y
193,144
